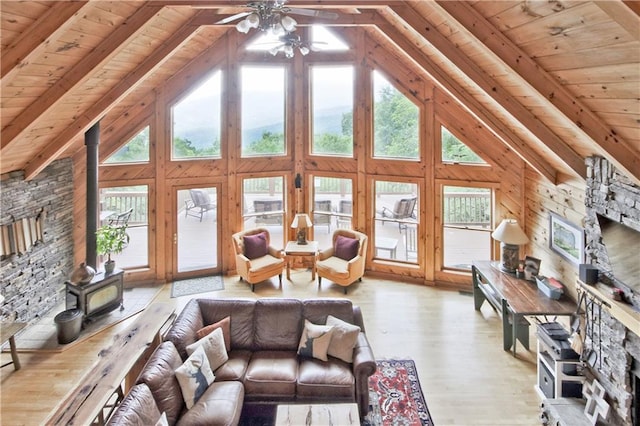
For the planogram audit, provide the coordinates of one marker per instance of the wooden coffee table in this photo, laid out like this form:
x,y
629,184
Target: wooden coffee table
x,y
317,414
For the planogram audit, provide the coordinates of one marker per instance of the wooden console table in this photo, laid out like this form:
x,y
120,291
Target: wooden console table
x,y
307,251
514,299
86,403
8,332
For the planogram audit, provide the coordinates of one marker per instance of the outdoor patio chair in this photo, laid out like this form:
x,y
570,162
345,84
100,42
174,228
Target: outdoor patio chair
x,y
323,214
199,204
120,220
402,209
345,207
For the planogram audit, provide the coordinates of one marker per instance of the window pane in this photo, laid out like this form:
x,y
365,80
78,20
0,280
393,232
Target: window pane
x,y
135,151
196,121
455,151
263,205
332,110
396,122
332,207
396,221
263,111
117,201
467,226
324,39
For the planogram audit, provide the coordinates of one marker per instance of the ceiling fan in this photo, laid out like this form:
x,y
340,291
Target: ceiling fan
x,y
273,15
288,42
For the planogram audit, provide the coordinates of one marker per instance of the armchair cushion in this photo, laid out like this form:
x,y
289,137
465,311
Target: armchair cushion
x,y
255,245
346,248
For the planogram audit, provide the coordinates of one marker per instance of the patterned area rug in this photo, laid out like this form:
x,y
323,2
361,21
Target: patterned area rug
x,y
197,285
396,396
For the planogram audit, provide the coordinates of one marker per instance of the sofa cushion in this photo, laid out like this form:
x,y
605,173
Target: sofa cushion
x,y
225,325
194,376
318,379
138,408
235,368
220,405
317,310
213,345
346,248
255,245
272,374
241,313
159,375
343,339
278,324
315,340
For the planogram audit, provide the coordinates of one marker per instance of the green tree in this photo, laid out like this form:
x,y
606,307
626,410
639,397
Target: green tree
x,y
396,125
454,150
136,150
184,148
269,144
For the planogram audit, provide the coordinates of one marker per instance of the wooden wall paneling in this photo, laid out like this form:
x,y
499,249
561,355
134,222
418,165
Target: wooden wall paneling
x,y
299,140
108,101
494,89
117,133
19,18
506,134
163,226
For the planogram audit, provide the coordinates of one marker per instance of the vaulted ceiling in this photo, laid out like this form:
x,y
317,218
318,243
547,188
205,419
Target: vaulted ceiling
x,y
555,80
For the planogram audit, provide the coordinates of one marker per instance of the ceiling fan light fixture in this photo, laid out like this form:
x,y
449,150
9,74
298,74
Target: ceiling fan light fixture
x,y
304,50
288,23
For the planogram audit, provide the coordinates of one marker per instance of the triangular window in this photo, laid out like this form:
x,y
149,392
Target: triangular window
x,y
324,39
455,151
135,151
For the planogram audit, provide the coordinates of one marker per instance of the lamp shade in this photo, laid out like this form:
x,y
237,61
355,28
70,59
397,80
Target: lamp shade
x,y
301,220
509,232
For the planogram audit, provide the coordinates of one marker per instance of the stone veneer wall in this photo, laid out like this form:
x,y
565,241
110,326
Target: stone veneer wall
x,y
611,194
33,282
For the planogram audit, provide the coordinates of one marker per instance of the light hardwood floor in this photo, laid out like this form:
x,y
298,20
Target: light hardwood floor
x,y
466,377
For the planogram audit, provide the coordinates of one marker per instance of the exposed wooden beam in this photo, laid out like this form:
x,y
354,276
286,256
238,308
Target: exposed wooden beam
x,y
625,13
78,74
493,89
109,100
315,4
35,39
574,109
450,86
366,17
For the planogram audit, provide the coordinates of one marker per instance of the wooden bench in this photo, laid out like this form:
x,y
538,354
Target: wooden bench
x,y
118,364
8,332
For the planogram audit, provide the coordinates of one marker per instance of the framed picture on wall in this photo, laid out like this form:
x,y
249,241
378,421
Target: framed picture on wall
x,y
566,239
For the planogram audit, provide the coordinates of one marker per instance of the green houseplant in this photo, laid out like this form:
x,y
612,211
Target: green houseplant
x,y
111,239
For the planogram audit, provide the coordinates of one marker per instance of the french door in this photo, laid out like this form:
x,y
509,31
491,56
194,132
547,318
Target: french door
x,y
196,239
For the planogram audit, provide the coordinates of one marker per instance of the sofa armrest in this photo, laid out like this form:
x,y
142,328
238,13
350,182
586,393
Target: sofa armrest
x,y
364,365
183,331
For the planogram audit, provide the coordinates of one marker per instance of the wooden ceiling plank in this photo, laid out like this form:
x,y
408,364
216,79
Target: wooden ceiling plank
x,y
573,108
450,86
109,100
34,39
492,88
624,14
79,73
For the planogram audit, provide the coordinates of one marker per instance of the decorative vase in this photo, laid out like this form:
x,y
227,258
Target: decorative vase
x,y
82,275
109,266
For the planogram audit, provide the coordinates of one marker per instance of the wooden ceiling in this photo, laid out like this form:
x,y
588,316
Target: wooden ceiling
x,y
555,80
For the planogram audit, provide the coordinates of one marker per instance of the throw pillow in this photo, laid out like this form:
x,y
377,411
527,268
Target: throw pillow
x,y
343,339
315,340
194,377
163,421
225,325
346,248
255,246
213,345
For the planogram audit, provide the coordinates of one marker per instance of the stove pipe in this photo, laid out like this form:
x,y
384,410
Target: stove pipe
x,y
91,141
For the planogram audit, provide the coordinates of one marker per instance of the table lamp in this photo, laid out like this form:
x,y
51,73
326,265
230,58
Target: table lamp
x,y
511,236
302,221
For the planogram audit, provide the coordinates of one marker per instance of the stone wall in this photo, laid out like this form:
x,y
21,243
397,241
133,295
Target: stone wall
x,y
33,282
613,195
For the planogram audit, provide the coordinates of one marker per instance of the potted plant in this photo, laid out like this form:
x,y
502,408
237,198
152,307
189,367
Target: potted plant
x,y
111,239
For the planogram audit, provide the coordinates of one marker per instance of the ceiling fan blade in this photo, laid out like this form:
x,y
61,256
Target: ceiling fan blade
x,y
233,17
311,12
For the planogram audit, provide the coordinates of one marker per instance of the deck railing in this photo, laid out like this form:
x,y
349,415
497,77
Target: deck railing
x,y
121,201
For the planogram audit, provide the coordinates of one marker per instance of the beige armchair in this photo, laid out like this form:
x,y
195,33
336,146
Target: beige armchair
x,y
256,259
343,269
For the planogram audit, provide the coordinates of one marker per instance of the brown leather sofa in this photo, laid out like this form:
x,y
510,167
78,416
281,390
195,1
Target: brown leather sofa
x,y
263,365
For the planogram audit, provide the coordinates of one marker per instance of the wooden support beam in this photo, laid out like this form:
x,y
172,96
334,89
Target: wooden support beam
x,y
111,98
32,42
78,74
493,89
450,86
625,13
570,106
